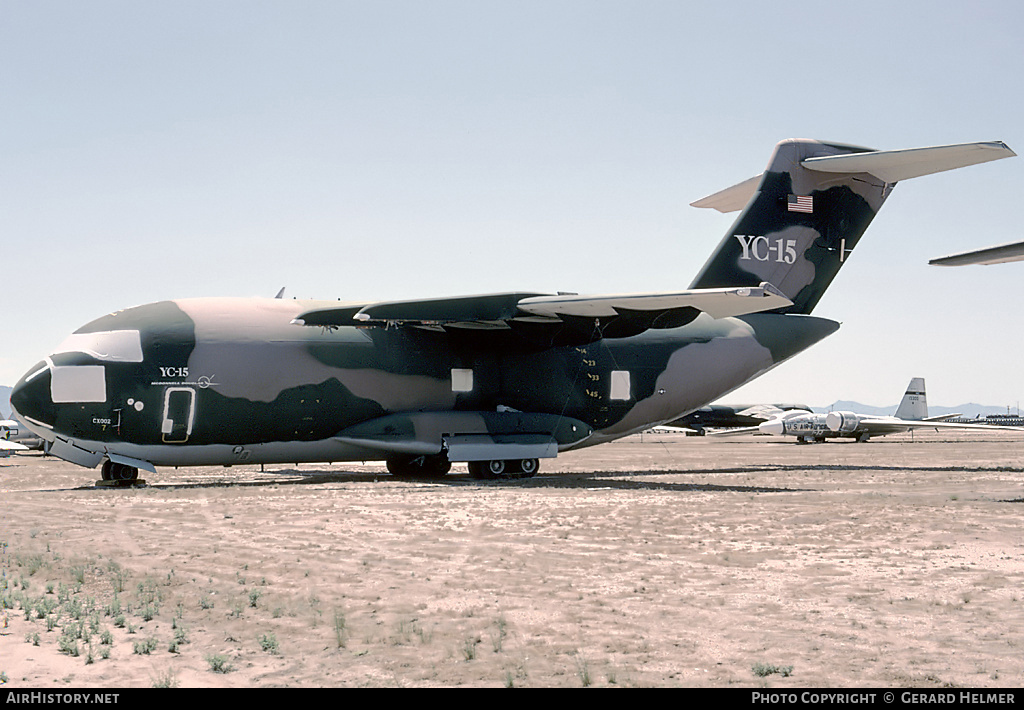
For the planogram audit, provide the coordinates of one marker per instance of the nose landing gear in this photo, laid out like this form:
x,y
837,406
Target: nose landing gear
x,y
118,474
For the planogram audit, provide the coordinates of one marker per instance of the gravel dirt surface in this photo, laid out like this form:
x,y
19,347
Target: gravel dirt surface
x,y
658,560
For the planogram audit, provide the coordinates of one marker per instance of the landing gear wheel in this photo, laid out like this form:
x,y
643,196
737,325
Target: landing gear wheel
x,y
118,472
487,470
502,468
528,468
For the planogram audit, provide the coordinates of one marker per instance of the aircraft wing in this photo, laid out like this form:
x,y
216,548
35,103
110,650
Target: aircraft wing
x,y
735,430
716,302
764,411
990,255
889,425
617,315
11,446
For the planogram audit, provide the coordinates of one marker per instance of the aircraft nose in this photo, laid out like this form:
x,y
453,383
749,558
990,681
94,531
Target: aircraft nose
x,y
31,400
775,427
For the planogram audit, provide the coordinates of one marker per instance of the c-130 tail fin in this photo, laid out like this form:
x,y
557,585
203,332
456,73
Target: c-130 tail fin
x,y
804,215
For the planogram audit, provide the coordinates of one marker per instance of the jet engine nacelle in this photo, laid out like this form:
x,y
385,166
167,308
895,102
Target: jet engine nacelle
x,y
789,424
775,427
842,422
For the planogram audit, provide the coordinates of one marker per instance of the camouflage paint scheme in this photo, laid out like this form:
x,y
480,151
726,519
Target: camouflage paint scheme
x,y
491,380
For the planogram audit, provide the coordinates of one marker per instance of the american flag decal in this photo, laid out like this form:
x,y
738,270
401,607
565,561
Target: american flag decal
x,y
799,203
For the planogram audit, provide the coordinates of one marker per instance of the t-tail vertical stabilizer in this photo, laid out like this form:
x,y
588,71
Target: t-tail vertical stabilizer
x,y
804,215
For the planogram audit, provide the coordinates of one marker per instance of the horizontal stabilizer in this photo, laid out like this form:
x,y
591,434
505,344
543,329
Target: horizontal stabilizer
x,y
731,198
991,255
890,166
895,165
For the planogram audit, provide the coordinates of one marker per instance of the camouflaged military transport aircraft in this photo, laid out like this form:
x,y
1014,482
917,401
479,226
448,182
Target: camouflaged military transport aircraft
x,y
496,381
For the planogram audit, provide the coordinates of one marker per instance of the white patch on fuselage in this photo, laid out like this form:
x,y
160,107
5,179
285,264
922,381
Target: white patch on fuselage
x,y
107,345
78,383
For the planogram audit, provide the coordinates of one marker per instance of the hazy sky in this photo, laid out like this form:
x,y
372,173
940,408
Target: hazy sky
x,y
401,149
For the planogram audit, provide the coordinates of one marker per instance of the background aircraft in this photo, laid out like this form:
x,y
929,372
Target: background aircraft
x,y
6,446
498,381
990,255
912,413
10,433
727,416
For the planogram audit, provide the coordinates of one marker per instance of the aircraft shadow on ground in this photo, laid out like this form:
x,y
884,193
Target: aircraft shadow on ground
x,y
616,480
597,480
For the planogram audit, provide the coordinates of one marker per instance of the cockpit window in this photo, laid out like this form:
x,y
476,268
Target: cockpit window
x,y
109,345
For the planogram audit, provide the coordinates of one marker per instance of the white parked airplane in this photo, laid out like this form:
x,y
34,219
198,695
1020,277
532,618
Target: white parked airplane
x,y
912,413
8,431
13,431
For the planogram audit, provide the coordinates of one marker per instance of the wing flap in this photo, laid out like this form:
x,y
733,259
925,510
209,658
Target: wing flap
x,y
716,302
495,307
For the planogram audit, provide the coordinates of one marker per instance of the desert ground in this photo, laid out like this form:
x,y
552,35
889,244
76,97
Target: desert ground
x,y
658,560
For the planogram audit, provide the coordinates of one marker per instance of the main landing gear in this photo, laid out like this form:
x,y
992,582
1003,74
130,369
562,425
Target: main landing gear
x,y
503,468
438,465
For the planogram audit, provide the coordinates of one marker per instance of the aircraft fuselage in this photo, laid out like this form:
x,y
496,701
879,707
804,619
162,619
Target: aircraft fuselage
x,y
224,381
